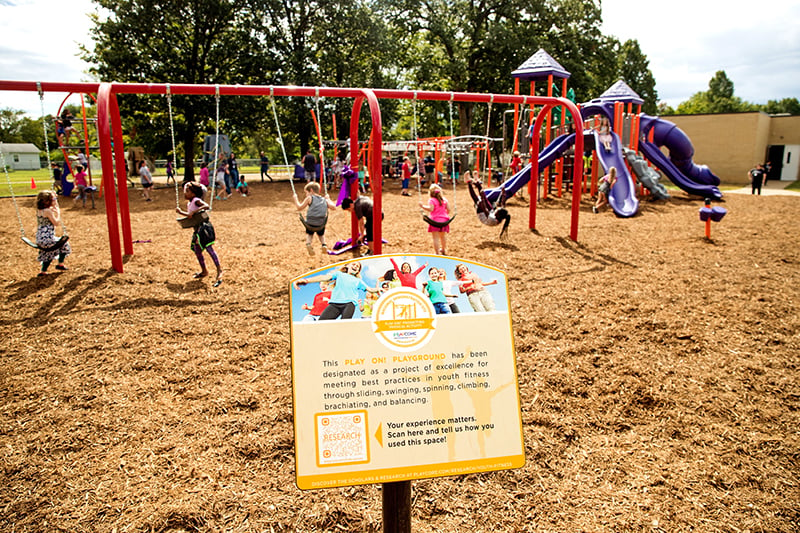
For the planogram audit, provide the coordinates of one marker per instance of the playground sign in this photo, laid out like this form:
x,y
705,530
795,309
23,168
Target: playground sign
x,y
397,391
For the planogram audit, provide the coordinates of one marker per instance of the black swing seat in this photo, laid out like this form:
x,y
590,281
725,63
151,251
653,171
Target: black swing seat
x,y
437,224
311,227
55,246
197,218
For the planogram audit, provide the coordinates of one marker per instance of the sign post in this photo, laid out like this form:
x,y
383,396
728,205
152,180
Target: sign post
x,y
391,385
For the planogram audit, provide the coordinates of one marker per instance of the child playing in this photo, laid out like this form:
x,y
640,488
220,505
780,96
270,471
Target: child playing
x,y
147,180
221,183
606,183
475,289
204,175
368,303
317,214
405,275
488,213
48,215
242,186
320,302
203,237
439,211
435,291
80,185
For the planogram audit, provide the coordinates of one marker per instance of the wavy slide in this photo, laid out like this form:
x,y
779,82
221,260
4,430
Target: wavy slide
x,y
622,197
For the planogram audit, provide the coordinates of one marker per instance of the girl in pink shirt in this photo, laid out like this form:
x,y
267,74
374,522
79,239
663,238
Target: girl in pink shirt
x,y
439,211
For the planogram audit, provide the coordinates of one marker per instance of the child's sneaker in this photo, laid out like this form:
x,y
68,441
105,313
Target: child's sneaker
x,y
324,249
310,249
594,209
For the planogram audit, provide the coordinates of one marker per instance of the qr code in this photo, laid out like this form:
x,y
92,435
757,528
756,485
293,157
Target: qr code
x,y
342,438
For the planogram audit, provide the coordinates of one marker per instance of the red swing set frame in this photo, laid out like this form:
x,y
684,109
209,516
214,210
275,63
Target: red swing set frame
x,y
112,150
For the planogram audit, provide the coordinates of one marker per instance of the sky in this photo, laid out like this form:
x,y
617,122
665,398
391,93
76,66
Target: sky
x,y
686,42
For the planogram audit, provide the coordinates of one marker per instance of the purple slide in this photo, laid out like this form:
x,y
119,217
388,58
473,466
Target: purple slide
x,y
622,197
679,167
551,152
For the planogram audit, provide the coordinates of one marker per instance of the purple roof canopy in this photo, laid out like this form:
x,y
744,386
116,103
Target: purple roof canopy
x,y
619,92
539,66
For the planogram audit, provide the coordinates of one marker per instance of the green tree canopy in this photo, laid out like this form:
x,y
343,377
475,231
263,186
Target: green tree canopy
x,y
719,98
181,41
634,68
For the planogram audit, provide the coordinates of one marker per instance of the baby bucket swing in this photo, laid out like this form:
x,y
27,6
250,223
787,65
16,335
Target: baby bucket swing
x,y
435,223
64,237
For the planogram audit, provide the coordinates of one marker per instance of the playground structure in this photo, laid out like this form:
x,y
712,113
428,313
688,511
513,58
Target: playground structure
x,y
112,148
555,149
632,131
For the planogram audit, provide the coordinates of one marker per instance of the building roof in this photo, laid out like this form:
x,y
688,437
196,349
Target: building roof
x,y
19,148
539,66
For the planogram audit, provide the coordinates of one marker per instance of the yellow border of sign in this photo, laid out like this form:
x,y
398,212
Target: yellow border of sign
x,y
406,473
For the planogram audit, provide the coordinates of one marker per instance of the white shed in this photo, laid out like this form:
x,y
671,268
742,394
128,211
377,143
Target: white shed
x,y
24,156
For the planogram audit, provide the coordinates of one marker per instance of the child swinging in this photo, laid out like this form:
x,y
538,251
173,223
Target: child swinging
x,y
317,215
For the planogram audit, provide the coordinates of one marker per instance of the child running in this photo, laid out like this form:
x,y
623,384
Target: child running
x,y
203,237
439,211
316,216
48,216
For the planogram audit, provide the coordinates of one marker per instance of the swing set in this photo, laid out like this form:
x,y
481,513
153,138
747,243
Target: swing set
x,y
112,148
64,236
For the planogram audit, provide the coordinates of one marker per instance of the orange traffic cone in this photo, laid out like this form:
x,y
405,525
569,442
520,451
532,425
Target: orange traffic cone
x,y
33,183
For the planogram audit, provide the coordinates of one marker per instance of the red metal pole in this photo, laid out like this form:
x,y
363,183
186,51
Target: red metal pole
x,y
122,180
106,159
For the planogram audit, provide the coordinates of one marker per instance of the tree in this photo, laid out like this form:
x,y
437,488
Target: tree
x,y
718,99
15,127
634,69
785,105
323,42
473,46
181,41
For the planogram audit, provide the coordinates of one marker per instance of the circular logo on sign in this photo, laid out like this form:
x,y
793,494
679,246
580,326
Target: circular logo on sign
x,y
403,319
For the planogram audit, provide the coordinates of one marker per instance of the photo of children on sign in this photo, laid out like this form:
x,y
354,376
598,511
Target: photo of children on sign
x,y
350,290
403,367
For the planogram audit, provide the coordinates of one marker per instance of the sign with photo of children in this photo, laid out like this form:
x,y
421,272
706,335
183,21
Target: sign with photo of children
x,y
403,368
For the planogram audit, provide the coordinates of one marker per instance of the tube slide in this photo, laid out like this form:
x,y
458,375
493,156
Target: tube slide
x,y
679,167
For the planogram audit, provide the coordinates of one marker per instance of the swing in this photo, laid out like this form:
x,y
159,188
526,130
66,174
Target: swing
x,y
64,237
439,224
309,227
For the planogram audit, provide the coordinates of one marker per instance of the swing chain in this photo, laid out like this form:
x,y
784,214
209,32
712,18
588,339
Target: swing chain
x,y
174,153
280,137
213,179
11,190
46,151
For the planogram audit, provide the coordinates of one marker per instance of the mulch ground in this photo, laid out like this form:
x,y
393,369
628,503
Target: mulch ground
x,y
658,373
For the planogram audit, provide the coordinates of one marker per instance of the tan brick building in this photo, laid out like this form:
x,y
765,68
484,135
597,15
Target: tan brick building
x,y
730,144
